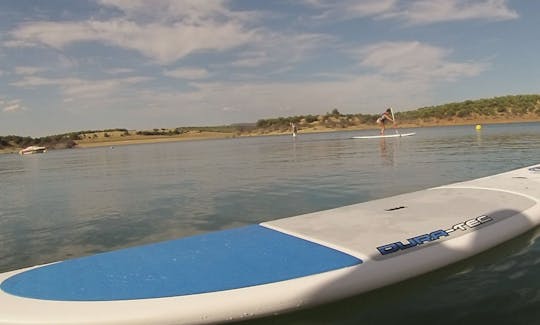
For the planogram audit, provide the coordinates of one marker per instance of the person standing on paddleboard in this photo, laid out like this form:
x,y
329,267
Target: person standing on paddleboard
x,y
386,116
294,129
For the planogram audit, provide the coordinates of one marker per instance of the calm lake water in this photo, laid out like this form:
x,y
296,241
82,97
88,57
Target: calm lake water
x,y
69,203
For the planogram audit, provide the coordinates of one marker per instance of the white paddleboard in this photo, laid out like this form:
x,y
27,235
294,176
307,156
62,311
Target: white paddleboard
x,y
396,135
280,265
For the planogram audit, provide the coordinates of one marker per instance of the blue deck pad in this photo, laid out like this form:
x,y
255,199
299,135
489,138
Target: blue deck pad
x,y
223,260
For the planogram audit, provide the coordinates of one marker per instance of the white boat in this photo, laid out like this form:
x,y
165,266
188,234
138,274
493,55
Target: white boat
x,y
32,149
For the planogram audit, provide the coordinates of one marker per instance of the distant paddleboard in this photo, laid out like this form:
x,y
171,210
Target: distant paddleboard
x,y
397,135
278,266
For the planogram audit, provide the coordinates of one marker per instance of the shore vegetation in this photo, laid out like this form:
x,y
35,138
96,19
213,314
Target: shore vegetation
x,y
506,109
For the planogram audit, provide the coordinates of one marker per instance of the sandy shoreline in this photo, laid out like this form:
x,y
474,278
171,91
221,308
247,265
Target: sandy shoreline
x,y
194,135
116,140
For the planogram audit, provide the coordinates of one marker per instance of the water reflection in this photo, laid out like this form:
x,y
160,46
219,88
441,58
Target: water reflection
x,y
69,203
478,137
387,152
462,293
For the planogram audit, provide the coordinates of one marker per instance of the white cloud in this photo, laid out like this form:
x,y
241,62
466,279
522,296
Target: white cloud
x,y
187,73
434,11
401,74
10,106
28,70
164,31
417,11
98,89
190,12
76,88
119,71
230,109
282,50
348,9
32,81
167,31
163,43
416,60
220,102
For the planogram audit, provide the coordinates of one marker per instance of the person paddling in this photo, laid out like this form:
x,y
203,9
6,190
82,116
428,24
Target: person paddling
x,y
294,129
386,116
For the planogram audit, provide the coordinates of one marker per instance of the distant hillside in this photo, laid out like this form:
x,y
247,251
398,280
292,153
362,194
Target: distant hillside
x,y
60,141
498,109
507,107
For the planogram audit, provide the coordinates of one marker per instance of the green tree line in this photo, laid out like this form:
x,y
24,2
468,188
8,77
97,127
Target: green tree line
x,y
506,106
65,140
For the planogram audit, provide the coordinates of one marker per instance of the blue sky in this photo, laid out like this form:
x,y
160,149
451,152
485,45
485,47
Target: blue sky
x,y
77,65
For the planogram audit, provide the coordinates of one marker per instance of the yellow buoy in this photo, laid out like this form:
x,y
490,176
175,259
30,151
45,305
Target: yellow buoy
x,y
478,127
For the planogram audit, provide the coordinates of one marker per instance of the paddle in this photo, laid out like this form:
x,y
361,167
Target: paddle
x,y
394,121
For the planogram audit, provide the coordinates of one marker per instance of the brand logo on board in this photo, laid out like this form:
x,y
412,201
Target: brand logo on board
x,y
470,224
